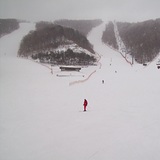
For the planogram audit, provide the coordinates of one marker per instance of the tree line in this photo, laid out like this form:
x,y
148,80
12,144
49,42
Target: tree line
x,y
83,26
47,38
68,57
7,26
51,37
141,39
108,36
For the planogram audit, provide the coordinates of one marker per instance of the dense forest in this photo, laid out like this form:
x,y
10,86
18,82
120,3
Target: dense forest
x,y
108,36
141,39
56,44
7,26
44,24
83,26
67,57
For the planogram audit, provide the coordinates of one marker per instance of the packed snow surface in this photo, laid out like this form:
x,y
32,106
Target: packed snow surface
x,y
41,114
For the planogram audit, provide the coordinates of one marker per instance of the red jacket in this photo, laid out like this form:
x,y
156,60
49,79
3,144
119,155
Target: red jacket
x,y
85,102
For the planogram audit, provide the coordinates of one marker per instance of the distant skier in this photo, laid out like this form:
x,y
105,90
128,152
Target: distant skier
x,y
85,104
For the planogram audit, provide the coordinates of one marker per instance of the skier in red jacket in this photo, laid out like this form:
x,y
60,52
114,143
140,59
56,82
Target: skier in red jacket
x,y
85,104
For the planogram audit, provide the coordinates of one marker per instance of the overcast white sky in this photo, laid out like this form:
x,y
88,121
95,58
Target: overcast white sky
x,y
122,10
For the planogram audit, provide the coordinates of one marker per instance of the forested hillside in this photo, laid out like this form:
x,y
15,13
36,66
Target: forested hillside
x,y
142,39
83,26
7,26
58,45
108,36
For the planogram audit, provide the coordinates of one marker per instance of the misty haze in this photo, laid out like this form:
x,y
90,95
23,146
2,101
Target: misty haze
x,y
79,80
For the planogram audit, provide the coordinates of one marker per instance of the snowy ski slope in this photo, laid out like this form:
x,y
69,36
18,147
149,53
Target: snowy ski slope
x,y
42,118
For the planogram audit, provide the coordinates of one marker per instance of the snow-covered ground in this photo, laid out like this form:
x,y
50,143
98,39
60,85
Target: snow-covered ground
x,y
42,118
